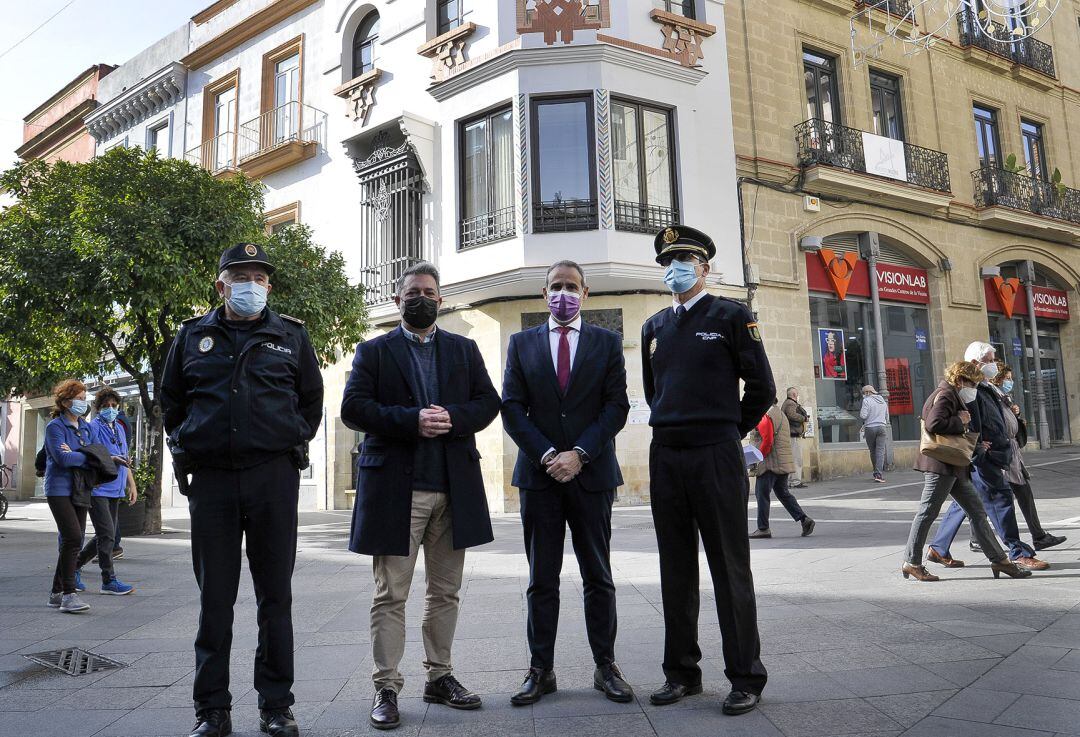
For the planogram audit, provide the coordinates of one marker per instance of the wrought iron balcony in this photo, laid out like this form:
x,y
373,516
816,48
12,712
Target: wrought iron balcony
x,y
1028,52
487,228
823,143
638,217
558,216
280,137
998,187
899,8
217,155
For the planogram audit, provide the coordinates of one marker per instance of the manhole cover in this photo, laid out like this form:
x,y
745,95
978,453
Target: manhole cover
x,y
74,661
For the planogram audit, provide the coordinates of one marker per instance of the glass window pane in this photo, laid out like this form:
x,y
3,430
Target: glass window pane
x,y
475,168
813,103
563,154
449,17
624,152
502,159
657,159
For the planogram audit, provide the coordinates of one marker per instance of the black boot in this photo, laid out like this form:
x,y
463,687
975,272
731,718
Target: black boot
x,y
609,679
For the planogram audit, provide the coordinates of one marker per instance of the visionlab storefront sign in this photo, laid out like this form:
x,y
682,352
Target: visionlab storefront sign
x,y
1007,296
847,274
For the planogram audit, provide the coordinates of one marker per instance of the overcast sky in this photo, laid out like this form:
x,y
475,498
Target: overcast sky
x,y
86,33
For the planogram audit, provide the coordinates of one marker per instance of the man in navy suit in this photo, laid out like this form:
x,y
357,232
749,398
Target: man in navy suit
x,y
564,400
420,394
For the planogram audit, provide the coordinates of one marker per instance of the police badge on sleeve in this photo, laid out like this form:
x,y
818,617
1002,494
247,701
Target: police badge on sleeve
x,y
752,328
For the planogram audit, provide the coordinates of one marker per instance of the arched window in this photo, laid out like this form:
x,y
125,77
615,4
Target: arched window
x,y
367,35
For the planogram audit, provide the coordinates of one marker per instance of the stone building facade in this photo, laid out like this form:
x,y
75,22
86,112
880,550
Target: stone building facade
x,y
905,160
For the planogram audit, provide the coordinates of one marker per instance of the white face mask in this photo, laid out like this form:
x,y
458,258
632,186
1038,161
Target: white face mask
x,y
968,394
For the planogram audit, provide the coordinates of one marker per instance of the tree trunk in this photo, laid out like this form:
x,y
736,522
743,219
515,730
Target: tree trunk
x,y
155,444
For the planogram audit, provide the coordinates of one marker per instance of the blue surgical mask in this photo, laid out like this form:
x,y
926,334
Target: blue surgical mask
x,y
681,276
1007,386
248,298
79,407
109,414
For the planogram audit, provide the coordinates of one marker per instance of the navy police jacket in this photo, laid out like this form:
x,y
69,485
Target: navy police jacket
x,y
379,401
236,399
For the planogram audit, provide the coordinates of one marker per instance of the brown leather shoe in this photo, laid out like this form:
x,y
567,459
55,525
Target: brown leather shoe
x,y
935,557
919,572
1032,564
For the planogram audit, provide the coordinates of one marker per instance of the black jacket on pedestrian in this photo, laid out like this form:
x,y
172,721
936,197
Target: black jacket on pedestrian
x,y
379,400
236,398
688,388
986,420
538,416
100,469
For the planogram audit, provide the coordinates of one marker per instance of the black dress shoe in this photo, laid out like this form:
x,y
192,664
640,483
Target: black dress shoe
x,y
740,702
212,723
384,711
609,679
671,693
974,547
449,691
278,722
1049,541
807,526
538,682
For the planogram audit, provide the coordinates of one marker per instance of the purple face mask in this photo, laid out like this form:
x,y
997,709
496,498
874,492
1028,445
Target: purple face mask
x,y
564,306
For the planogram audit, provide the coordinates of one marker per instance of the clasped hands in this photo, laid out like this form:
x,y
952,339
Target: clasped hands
x,y
434,421
562,467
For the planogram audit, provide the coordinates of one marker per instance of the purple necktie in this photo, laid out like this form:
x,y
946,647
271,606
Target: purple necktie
x,y
563,362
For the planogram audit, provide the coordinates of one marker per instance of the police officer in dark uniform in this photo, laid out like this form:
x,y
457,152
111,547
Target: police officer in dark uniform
x,y
693,355
242,396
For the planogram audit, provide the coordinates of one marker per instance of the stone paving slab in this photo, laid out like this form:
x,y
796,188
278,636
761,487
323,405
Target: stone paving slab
x,y
852,648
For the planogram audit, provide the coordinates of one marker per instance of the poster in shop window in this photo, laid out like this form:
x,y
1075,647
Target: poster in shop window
x,y
833,358
898,379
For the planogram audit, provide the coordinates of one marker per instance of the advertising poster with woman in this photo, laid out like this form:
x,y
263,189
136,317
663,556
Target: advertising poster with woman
x,y
833,359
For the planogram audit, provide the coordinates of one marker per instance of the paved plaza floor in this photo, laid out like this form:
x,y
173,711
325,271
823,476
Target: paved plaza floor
x,y
851,647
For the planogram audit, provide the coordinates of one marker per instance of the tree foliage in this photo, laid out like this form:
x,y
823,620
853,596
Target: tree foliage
x,y
101,261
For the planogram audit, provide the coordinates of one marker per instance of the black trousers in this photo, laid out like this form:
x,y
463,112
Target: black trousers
x,y
1025,499
71,524
704,490
545,514
103,512
226,505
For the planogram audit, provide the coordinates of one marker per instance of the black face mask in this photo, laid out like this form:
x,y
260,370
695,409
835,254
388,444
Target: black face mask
x,y
420,312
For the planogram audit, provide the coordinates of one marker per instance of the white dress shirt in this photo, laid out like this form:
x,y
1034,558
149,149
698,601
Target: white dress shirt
x,y
688,303
572,337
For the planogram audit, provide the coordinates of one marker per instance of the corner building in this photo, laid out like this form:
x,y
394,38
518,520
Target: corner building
x,y
932,175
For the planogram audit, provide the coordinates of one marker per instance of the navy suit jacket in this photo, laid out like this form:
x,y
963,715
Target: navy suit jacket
x,y
380,402
538,416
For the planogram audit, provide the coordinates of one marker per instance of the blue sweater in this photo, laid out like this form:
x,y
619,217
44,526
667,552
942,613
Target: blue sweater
x,y
58,464
115,440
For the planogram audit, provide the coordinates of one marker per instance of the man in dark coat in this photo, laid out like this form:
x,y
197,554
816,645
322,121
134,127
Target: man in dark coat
x,y
694,354
564,400
420,394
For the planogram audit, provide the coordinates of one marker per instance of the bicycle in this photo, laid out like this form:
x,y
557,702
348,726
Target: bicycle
x,y
7,475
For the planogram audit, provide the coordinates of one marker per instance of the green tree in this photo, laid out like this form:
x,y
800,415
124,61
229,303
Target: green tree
x,y
101,261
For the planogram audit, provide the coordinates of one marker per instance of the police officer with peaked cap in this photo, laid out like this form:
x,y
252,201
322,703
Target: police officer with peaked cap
x,y
694,353
242,396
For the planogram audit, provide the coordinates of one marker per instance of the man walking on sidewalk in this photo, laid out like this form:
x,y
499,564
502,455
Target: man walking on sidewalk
x,y
875,416
797,417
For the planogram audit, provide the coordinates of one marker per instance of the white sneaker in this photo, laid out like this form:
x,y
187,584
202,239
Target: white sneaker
x,y
72,604
55,599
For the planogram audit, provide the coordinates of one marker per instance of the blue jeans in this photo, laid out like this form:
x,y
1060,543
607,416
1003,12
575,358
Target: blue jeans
x,y
998,504
775,483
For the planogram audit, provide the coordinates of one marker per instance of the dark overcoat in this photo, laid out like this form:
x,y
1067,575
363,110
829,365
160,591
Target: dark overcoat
x,y
380,402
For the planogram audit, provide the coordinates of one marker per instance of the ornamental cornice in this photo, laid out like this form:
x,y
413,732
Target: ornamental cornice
x,y
158,92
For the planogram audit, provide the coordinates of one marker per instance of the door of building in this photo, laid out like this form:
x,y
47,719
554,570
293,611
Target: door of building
x,y
286,99
1057,414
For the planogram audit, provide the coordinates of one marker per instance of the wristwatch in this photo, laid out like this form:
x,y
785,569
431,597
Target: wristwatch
x,y
582,455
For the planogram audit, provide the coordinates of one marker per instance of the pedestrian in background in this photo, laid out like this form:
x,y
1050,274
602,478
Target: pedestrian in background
x,y
707,381
65,436
420,394
242,395
105,500
875,416
773,438
946,412
1017,473
797,418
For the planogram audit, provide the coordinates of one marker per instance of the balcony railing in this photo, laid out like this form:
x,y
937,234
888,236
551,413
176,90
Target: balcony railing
x,y
1029,52
641,218
558,216
492,226
899,8
829,144
215,155
293,121
998,187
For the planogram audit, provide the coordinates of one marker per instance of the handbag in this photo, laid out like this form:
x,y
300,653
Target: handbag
x,y
954,450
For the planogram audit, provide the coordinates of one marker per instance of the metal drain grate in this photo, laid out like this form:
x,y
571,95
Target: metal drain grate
x,y
74,661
